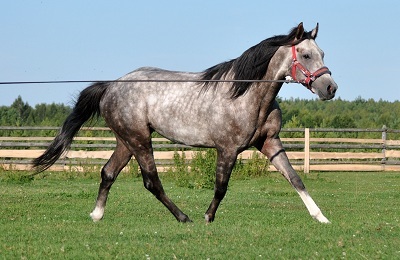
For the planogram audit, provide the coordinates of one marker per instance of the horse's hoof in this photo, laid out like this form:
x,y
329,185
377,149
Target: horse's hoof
x,y
322,219
209,218
97,215
183,218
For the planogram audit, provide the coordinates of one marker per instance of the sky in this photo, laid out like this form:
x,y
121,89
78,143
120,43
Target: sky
x,y
54,40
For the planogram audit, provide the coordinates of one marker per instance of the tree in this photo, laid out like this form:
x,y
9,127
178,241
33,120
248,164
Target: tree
x,y
22,111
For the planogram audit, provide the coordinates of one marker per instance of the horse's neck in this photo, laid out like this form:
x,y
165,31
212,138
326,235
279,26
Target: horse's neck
x,y
267,92
277,70
263,95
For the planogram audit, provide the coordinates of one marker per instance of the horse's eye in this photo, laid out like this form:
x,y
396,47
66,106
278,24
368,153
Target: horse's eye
x,y
306,56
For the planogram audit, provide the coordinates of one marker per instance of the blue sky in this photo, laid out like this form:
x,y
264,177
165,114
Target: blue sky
x,y
103,40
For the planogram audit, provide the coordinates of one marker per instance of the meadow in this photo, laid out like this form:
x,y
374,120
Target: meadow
x,y
47,217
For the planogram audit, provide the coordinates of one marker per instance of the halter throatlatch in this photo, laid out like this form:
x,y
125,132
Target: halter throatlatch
x,y
310,77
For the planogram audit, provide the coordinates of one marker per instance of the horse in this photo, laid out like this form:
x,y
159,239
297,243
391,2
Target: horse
x,y
229,107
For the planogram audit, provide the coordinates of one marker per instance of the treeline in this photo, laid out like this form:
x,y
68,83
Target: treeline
x,y
20,113
337,113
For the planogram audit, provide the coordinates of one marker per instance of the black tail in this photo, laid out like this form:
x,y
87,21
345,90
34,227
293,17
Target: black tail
x,y
86,107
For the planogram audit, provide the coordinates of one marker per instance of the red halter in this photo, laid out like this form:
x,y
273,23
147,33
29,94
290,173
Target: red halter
x,y
310,77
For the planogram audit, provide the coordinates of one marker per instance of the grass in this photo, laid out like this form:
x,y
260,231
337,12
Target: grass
x,y
48,218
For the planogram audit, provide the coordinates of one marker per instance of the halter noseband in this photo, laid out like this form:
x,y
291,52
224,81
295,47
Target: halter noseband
x,y
310,77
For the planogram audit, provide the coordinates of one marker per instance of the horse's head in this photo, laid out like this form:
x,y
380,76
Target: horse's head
x,y
307,64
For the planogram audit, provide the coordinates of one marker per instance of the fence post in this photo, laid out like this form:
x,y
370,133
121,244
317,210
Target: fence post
x,y
383,162
306,150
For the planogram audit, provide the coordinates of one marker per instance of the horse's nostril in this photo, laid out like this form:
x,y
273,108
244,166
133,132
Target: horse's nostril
x,y
331,90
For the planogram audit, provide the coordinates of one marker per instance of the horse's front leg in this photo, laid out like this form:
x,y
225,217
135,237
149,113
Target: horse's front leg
x,y
225,163
273,149
152,182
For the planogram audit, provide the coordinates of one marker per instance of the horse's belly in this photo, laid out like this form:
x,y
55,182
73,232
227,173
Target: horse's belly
x,y
179,132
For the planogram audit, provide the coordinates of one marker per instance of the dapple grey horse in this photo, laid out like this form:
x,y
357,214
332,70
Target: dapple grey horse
x,y
229,107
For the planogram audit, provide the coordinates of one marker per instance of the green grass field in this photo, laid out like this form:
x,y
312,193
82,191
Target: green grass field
x,y
260,218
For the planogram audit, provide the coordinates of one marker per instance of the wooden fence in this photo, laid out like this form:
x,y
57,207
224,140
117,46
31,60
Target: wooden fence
x,y
309,149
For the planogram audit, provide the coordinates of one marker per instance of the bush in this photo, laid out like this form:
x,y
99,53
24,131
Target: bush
x,y
199,173
256,166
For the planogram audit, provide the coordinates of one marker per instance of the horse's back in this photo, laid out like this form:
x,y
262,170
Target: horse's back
x,y
154,73
169,105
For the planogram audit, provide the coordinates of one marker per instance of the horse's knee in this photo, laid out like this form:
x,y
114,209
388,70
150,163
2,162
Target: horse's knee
x,y
108,176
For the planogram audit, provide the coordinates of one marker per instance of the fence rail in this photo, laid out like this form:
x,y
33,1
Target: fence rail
x,y
307,150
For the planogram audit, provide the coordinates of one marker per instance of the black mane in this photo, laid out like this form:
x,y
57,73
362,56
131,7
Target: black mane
x,y
252,64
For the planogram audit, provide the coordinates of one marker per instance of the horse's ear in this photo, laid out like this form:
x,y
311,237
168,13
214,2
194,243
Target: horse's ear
x,y
314,32
300,31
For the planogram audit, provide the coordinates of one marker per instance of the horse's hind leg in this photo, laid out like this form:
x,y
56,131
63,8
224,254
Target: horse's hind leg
x,y
109,173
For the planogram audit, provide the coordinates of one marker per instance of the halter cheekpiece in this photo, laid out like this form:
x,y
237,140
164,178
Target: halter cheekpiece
x,y
309,77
